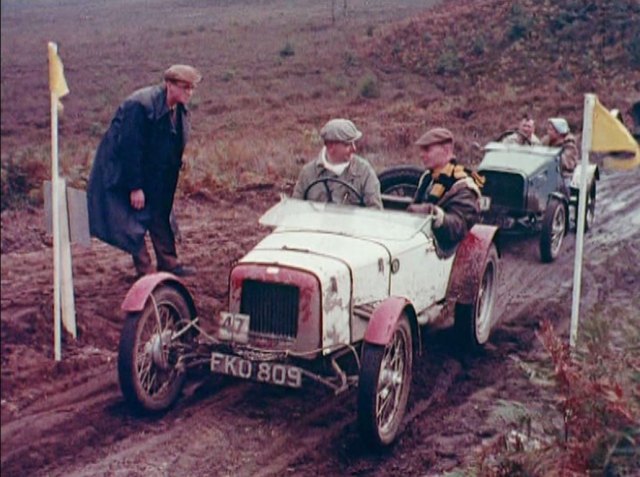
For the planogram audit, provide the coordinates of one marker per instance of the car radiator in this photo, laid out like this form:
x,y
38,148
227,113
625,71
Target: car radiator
x,y
505,189
273,308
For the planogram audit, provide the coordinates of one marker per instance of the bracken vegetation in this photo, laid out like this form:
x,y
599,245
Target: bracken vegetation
x,y
594,426
444,67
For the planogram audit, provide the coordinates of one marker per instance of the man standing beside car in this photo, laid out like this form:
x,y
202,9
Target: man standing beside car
x,y
135,172
337,174
446,190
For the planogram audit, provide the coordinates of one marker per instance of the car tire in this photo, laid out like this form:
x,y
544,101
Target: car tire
x,y
151,368
473,321
384,385
554,228
590,211
400,180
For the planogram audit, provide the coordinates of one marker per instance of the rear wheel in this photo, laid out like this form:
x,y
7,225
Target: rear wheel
x,y
385,381
151,367
473,321
554,227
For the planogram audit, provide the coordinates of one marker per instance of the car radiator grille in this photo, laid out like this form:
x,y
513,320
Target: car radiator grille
x,y
505,190
273,308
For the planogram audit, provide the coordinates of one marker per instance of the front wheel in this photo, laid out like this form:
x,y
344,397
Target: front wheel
x,y
385,381
554,227
151,367
473,321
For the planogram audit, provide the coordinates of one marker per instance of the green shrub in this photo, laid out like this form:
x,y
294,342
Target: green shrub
x,y
368,87
478,47
20,178
350,59
448,63
519,23
287,50
633,49
228,75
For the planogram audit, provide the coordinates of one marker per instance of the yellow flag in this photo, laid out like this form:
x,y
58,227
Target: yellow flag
x,y
57,83
609,135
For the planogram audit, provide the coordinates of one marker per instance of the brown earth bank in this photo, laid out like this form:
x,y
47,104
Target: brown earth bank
x,y
69,418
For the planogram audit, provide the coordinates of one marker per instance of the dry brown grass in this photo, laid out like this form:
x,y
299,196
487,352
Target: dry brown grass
x,y
394,69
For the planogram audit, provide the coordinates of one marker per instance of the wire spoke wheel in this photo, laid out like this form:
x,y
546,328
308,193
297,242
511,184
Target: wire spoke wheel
x,y
385,381
151,366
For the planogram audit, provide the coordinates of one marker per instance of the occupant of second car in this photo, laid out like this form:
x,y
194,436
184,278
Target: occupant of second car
x,y
559,135
446,190
340,176
524,135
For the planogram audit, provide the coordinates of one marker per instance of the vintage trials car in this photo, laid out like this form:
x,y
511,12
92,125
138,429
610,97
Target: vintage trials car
x,y
523,192
336,295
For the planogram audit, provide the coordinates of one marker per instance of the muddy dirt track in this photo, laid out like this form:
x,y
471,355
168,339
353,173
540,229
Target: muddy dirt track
x,y
70,419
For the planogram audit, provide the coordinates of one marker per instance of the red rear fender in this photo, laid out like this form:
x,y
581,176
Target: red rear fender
x,y
469,262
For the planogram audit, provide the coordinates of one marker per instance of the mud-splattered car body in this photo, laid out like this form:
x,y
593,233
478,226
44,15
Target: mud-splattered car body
x,y
336,294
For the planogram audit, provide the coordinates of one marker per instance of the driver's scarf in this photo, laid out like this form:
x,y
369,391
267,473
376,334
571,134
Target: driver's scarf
x,y
434,185
337,169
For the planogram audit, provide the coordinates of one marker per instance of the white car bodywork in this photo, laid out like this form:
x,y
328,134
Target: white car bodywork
x,y
360,257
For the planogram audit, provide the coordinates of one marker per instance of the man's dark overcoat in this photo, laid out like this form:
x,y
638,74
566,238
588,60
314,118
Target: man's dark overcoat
x,y
142,149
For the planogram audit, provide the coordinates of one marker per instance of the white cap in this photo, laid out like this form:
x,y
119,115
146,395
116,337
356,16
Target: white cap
x,y
560,124
340,130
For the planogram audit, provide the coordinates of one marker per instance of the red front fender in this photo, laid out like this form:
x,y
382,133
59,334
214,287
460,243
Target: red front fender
x,y
384,318
139,293
467,266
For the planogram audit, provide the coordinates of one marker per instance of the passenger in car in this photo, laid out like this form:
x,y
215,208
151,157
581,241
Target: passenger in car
x,y
524,135
446,190
337,174
559,135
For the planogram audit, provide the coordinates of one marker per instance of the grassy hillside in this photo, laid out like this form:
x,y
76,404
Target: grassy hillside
x,y
491,60
275,71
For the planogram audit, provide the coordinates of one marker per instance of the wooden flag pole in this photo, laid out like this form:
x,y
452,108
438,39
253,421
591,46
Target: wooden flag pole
x,y
587,132
55,214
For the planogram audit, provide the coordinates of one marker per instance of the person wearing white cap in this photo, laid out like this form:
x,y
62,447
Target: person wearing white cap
x,y
559,135
135,171
337,174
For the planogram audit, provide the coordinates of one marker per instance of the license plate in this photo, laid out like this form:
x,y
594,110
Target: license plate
x,y
261,371
234,327
485,202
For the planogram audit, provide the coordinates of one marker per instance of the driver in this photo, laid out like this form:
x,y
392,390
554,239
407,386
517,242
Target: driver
x,y
337,174
446,190
524,135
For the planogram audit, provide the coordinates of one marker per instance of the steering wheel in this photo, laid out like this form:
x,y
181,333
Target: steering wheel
x,y
326,180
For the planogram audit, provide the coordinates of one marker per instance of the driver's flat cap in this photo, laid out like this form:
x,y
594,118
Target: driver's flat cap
x,y
340,130
435,136
185,73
